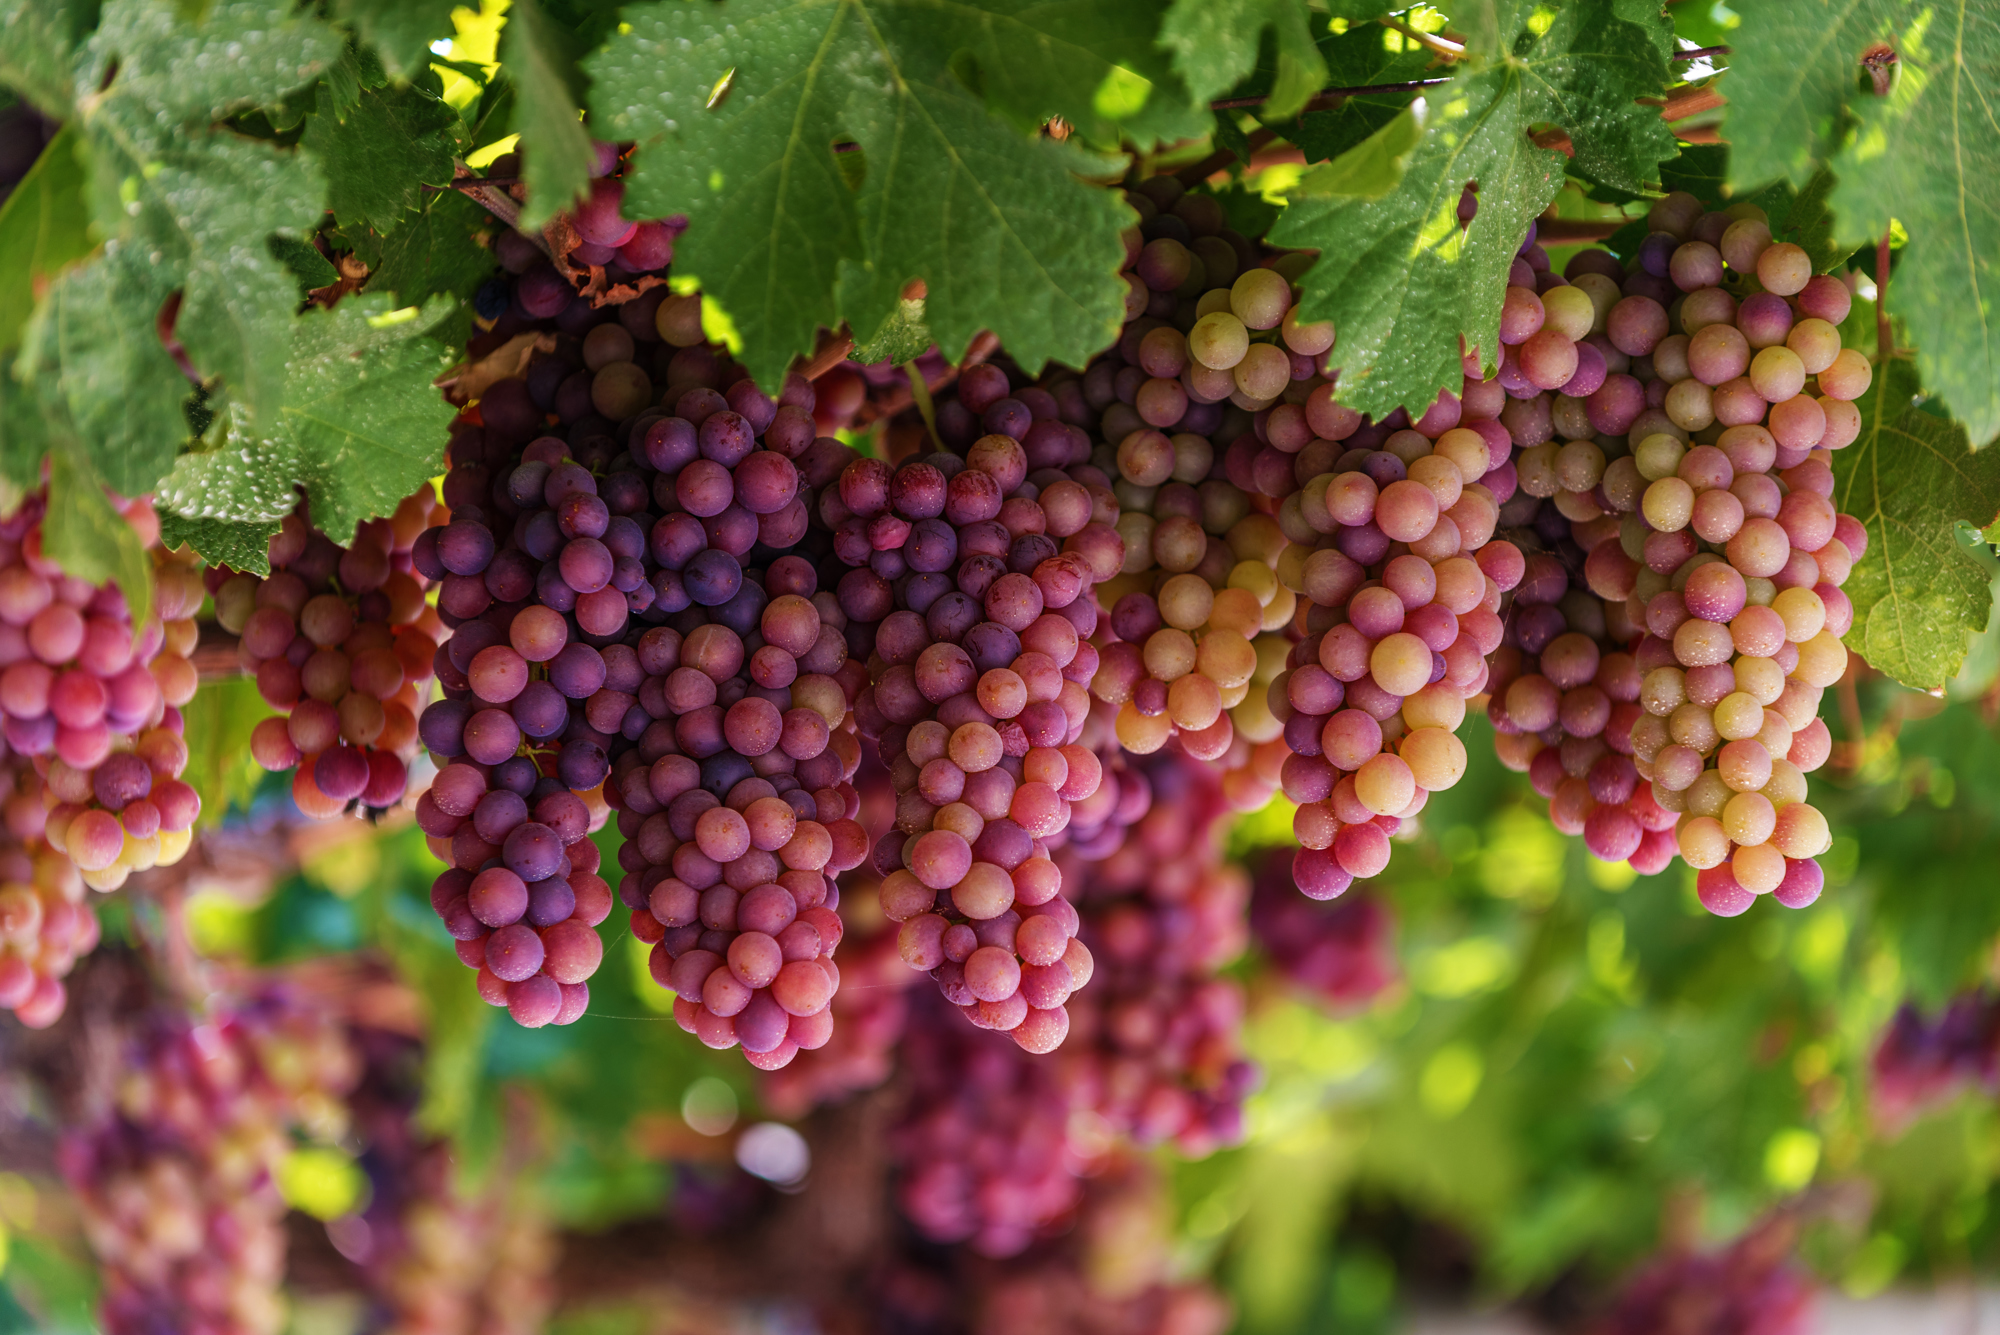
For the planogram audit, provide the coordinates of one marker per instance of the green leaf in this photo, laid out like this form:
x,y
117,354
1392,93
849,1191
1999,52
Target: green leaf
x,y
379,155
38,43
440,252
401,31
995,223
307,265
238,544
44,224
1372,168
1928,155
555,152
1793,65
90,540
1215,44
1650,17
1357,59
902,337
199,202
1910,478
361,426
1402,282
95,344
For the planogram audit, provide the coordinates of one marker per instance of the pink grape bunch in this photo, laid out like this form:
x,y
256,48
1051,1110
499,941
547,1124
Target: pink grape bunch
x,y
1341,954
967,581
95,702
1753,1286
340,641
1155,1050
1921,1061
46,923
870,1015
175,1177
1565,690
1727,551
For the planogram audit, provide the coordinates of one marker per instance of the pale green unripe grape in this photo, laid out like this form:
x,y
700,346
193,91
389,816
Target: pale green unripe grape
x,y
1260,298
1658,456
1746,239
1218,341
1758,591
1294,266
1777,374
1670,358
1668,504
1568,310
1213,300
1784,269
1263,372
1603,294
1308,339
1690,405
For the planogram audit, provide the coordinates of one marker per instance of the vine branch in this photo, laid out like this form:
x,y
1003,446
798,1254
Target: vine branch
x,y
1885,338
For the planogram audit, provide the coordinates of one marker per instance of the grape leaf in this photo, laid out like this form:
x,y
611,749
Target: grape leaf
x,y
238,544
1928,155
1793,65
556,153
307,265
1215,45
1651,18
89,539
1372,168
1401,281
361,426
38,41
201,202
902,337
440,252
996,224
1910,477
107,373
380,153
1357,59
401,31
44,224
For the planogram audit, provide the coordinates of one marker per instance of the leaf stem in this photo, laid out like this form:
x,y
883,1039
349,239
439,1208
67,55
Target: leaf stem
x,y
1885,339
1699,53
1429,41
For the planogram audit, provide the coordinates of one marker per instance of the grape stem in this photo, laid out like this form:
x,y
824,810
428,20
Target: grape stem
x,y
1429,41
1885,338
491,194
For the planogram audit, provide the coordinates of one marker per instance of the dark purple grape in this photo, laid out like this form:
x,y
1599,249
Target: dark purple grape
x,y
582,765
712,577
540,710
577,672
463,548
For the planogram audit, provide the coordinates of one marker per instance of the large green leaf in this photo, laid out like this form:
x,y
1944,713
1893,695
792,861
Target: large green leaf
x,y
556,153
1793,66
1402,282
38,42
994,222
1928,155
44,224
1910,478
361,426
1215,45
1359,58
379,154
401,31
440,252
238,544
89,539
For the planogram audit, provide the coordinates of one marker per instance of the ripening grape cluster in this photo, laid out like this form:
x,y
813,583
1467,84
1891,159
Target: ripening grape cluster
x,y
1754,1286
95,702
1696,481
46,925
1155,1050
175,1180
340,642
870,1013
629,633
968,586
1340,954
1921,1062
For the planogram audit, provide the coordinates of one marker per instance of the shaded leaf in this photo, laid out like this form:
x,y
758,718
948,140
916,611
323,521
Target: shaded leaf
x,y
1794,64
556,153
44,224
89,539
1372,168
1358,59
1928,155
38,44
307,265
1910,478
378,155
1215,45
401,31
238,544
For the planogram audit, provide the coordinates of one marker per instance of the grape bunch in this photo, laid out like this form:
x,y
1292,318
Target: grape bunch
x,y
175,1179
1919,1062
340,642
1751,1287
1155,1049
96,703
869,1015
1340,954
46,925
1728,552
630,634
967,579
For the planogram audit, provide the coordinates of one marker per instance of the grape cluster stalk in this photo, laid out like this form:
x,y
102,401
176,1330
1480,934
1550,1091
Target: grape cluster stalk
x,y
175,1176
340,642
631,633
